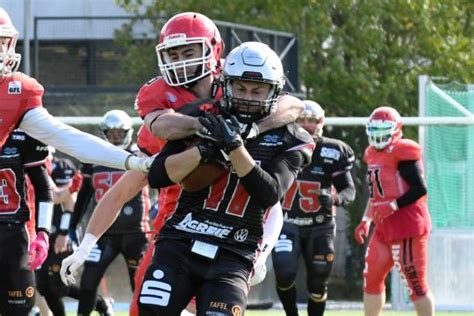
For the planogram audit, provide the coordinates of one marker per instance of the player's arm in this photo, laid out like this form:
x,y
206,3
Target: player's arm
x,y
345,188
267,186
113,200
410,172
83,198
289,108
43,197
170,125
41,125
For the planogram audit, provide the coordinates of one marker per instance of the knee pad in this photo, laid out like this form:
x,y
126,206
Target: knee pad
x,y
285,279
318,275
318,297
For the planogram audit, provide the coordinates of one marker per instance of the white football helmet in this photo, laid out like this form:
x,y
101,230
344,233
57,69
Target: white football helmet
x,y
252,61
117,119
312,118
9,60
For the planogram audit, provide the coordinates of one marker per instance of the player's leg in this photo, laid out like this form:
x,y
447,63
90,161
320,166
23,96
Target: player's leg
x,y
100,257
46,285
139,274
285,258
167,286
378,262
133,249
225,287
411,262
318,254
20,281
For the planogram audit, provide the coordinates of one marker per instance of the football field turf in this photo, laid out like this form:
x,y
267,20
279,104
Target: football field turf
x,y
328,313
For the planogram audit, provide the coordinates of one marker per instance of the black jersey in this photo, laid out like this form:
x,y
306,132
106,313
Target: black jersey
x,y
133,216
224,214
19,152
330,158
62,172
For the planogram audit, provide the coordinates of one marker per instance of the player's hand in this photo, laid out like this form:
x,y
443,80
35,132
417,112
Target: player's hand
x,y
383,210
138,163
225,134
258,273
325,199
362,231
60,245
210,153
71,264
38,250
76,182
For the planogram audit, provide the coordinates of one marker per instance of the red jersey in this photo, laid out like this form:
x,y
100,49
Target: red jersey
x,y
156,94
386,185
18,94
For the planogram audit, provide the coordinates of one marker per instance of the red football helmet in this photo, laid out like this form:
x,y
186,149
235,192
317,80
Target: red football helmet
x,y
9,60
186,29
312,118
384,127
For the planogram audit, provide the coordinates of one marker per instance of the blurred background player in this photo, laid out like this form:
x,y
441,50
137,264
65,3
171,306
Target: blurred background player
x,y
212,238
21,100
309,213
170,106
127,236
20,255
67,181
397,206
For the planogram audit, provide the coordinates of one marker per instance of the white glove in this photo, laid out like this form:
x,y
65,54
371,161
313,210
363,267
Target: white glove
x,y
259,272
70,265
138,163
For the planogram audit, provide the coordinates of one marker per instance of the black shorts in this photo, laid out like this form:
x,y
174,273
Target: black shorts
x,y
176,274
17,282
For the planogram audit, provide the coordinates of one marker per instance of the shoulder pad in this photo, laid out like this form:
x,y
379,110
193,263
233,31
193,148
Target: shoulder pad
x,y
151,97
302,140
407,149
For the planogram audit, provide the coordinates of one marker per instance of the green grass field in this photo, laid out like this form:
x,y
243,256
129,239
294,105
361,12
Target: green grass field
x,y
329,313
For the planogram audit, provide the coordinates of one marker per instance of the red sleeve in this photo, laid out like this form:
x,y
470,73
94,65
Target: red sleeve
x,y
366,154
147,142
151,97
35,93
406,149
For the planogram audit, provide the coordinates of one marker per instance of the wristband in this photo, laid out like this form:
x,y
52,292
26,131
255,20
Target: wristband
x,y
45,215
87,244
65,222
366,219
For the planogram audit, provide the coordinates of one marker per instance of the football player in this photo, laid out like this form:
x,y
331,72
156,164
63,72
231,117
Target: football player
x,y
67,181
21,254
309,214
127,236
398,208
21,99
212,238
170,106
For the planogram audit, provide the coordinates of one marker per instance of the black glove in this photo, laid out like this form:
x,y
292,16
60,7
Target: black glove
x,y
226,135
325,199
210,153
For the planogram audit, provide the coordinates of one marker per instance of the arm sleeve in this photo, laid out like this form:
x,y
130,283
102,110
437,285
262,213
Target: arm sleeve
x,y
83,198
43,196
268,187
271,230
158,176
345,188
41,125
411,173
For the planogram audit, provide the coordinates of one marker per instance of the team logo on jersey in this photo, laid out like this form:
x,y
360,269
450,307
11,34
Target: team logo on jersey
x,y
14,87
171,97
190,225
330,153
271,141
128,210
241,235
10,150
317,170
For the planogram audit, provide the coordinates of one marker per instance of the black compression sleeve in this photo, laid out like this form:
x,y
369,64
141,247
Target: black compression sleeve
x,y
410,172
269,186
345,188
157,175
83,198
40,181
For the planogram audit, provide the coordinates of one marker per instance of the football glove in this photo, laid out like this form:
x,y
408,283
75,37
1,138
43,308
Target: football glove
x,y
71,264
226,135
76,182
141,164
258,273
38,250
325,199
